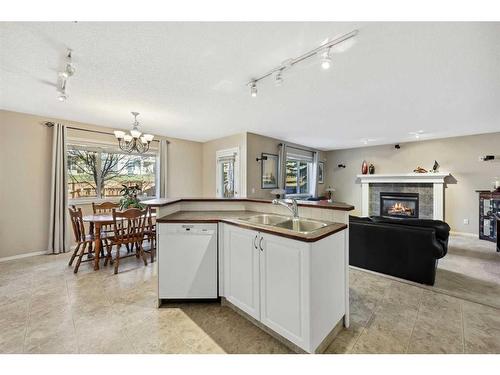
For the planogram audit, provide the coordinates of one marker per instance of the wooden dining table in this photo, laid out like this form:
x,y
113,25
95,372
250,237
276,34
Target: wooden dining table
x,y
96,222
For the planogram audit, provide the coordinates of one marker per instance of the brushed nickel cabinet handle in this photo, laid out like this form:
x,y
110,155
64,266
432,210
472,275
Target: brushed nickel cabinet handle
x,y
260,244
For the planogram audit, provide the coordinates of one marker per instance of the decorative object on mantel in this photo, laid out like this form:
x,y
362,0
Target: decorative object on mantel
x,y
364,167
278,193
135,141
420,170
371,169
321,172
435,167
129,198
269,171
329,190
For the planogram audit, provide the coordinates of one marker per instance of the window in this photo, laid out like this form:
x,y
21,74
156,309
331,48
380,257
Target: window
x,y
100,172
227,173
297,177
299,164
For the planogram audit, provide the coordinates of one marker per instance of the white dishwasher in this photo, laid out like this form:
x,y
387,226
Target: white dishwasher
x,y
187,261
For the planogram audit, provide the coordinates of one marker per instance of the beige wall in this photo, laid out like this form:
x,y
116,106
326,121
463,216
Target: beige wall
x,y
25,159
458,155
210,149
25,168
256,145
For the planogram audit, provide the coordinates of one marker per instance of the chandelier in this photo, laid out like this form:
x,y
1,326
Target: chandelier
x,y
135,141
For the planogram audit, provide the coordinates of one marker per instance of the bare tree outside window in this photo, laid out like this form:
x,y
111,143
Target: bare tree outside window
x,y
101,174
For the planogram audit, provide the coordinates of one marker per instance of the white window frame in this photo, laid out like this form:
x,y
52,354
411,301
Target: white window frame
x,y
309,181
235,152
92,145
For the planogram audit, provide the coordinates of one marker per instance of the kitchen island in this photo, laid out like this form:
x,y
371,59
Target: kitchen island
x,y
292,284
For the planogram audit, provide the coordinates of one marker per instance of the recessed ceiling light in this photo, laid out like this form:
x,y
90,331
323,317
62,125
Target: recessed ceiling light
x,y
417,134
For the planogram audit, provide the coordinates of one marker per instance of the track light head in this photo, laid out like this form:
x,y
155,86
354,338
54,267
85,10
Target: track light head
x,y
278,79
326,60
253,89
62,97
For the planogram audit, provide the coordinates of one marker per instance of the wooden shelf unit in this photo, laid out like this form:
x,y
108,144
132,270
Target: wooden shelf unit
x,y
489,212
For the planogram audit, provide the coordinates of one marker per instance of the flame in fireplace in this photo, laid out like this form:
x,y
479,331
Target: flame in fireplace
x,y
399,208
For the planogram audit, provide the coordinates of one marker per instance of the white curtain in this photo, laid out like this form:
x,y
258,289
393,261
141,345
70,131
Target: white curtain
x,y
314,177
163,167
282,166
58,241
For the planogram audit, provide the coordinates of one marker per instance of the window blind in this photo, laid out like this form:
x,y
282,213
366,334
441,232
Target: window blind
x,y
299,154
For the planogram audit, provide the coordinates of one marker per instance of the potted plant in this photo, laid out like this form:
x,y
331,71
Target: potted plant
x,y
129,198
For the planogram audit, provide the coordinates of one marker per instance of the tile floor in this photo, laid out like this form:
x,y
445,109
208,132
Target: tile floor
x,y
45,308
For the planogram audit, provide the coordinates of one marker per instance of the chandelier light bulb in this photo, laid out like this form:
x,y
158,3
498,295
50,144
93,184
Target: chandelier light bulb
x,y
119,134
326,61
148,137
135,132
62,97
127,137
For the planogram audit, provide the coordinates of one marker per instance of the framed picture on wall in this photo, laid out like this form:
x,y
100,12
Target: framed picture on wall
x,y
321,172
269,171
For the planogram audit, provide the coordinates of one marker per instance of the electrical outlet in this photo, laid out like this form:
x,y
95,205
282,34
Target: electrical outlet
x,y
466,221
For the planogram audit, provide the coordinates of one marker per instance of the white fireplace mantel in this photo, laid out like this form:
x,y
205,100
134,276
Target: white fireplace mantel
x,y
437,179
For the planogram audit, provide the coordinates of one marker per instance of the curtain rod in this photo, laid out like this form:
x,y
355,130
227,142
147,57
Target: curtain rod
x,y
50,124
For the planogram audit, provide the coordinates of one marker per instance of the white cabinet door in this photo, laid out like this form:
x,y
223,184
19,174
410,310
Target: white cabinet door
x,y
284,278
241,269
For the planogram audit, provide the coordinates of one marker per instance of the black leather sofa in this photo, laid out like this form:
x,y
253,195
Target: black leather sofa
x,y
405,248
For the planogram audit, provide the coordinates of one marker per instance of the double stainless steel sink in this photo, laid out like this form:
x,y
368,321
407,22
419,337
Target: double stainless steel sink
x,y
297,225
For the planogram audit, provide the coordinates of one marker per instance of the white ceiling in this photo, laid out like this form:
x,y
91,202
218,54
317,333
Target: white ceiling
x,y
188,79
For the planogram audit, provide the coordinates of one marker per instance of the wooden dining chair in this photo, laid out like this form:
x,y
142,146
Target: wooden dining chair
x,y
105,208
129,230
83,240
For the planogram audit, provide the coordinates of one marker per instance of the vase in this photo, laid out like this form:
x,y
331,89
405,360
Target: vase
x,y
364,167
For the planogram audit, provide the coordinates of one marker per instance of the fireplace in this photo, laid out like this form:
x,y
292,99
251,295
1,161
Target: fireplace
x,y
399,205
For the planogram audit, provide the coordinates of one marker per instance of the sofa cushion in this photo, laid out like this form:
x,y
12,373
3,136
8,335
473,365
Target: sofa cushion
x,y
442,228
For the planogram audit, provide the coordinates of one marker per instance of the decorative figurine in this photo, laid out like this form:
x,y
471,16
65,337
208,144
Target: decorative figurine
x,y
364,167
371,169
420,170
329,190
435,167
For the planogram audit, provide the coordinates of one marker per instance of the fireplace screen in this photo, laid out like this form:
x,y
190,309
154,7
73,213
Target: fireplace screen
x,y
399,204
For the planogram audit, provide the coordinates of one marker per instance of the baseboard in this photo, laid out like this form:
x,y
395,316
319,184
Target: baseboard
x,y
464,234
5,259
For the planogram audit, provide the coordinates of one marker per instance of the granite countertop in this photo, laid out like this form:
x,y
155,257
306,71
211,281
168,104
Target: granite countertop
x,y
234,218
161,202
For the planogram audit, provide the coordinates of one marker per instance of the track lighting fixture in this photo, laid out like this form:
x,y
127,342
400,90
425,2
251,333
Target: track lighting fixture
x,y
63,77
323,50
326,60
253,89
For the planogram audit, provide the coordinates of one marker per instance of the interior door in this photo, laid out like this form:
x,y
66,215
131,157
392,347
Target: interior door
x,y
241,269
